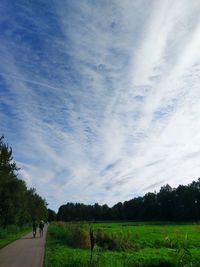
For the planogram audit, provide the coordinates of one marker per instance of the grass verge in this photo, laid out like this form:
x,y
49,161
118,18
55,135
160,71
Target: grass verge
x,y
12,233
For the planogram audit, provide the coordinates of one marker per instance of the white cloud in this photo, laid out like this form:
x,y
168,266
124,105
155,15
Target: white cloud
x,y
100,101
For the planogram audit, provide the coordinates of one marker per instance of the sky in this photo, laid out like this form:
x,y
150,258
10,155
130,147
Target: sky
x,y
100,99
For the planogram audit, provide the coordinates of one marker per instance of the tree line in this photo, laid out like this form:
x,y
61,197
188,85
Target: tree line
x,y
169,204
18,204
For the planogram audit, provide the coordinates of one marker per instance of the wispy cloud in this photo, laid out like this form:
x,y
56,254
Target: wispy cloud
x,y
100,99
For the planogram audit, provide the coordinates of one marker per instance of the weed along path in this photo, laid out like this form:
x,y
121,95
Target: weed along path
x,y
24,252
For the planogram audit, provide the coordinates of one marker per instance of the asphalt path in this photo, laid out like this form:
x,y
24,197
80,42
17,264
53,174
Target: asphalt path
x,y
24,252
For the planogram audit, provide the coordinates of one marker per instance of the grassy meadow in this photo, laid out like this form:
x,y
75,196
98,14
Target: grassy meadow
x,y
122,244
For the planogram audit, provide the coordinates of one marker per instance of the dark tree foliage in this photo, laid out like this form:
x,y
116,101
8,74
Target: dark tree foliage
x,y
169,204
18,205
51,215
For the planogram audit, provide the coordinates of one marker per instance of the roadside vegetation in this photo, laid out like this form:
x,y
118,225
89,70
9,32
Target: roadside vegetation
x,y
122,244
19,206
11,233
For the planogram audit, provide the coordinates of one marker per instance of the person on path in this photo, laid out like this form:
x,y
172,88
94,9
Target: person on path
x,y
41,227
34,227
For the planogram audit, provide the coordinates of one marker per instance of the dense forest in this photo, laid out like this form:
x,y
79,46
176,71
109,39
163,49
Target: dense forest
x,y
18,204
169,204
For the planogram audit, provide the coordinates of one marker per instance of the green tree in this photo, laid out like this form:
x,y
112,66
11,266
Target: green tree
x,y
11,188
18,205
36,206
51,215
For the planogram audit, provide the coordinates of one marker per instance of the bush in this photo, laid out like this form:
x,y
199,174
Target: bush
x,y
9,230
12,229
3,233
78,236
74,235
113,241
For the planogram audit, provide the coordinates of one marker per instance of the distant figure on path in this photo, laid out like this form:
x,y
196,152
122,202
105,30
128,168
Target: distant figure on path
x,y
34,228
41,227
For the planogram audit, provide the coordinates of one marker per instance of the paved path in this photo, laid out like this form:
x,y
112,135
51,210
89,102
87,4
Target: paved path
x,y
24,252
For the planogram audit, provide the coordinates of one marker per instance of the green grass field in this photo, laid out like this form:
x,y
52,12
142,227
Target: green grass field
x,y
12,233
123,244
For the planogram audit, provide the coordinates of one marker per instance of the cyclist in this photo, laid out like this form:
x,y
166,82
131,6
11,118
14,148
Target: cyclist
x,y
41,226
34,226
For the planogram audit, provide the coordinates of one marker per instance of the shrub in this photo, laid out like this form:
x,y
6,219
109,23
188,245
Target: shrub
x,y
3,233
80,238
113,241
74,235
12,229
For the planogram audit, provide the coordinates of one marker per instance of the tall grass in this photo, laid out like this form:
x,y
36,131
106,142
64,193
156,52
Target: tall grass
x,y
75,235
69,244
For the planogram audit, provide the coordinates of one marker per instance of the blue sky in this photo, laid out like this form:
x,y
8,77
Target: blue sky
x,y
100,100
